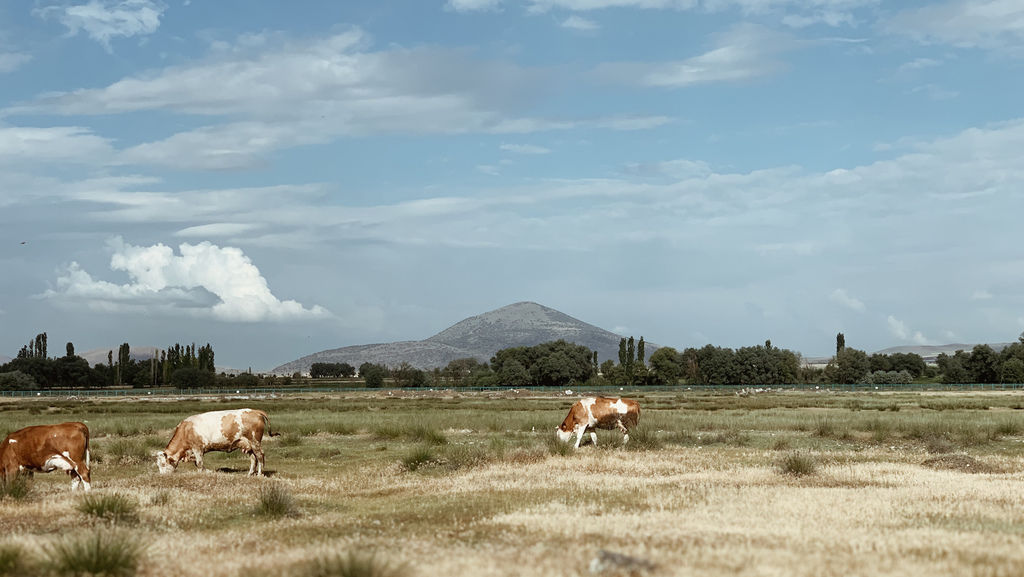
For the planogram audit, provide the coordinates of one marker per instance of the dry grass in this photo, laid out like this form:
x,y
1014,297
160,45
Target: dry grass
x,y
467,484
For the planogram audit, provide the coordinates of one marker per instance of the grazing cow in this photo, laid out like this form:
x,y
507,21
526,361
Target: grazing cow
x,y
217,431
599,413
45,448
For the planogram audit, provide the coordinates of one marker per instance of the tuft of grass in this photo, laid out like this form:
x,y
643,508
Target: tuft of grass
x,y
798,464
160,499
643,439
824,427
557,447
100,553
781,444
290,440
274,500
124,451
350,564
428,435
1005,428
418,458
15,489
113,507
12,560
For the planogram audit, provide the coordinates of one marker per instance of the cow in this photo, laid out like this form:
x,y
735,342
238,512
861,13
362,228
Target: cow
x,y
45,448
592,413
217,431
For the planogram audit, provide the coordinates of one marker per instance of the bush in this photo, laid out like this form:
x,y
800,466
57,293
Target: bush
x,y
12,560
274,500
418,458
349,565
17,381
798,465
100,553
15,489
644,439
113,507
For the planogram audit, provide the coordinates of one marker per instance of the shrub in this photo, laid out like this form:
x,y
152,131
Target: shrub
x,y
418,458
113,507
644,439
100,553
15,489
350,565
12,560
798,465
274,500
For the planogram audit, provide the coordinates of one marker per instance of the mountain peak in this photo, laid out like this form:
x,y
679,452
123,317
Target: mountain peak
x,y
521,324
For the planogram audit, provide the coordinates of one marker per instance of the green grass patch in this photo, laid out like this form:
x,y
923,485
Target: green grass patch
x,y
16,489
798,464
349,564
113,507
274,500
12,560
96,554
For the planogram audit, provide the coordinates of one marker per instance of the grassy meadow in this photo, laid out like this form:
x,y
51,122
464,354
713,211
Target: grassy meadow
x,y
446,483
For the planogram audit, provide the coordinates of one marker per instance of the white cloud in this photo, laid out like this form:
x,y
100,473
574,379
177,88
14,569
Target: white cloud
x,y
20,145
981,295
104,20
11,61
744,52
919,64
900,330
489,169
579,23
472,5
525,149
204,280
842,298
987,24
934,92
217,229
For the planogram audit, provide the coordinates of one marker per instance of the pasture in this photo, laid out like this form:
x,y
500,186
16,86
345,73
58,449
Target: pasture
x,y
447,483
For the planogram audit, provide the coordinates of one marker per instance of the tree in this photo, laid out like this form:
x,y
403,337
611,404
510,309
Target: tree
x,y
666,366
373,374
640,351
840,343
1012,371
850,366
514,374
70,348
983,365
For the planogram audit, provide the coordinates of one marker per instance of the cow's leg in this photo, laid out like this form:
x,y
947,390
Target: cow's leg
x,y
625,432
257,461
580,431
83,473
64,463
199,459
593,437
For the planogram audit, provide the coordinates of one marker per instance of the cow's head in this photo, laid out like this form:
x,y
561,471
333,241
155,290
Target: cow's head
x,y
562,434
165,463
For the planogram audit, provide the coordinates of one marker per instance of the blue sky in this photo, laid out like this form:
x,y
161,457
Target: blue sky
x,y
278,181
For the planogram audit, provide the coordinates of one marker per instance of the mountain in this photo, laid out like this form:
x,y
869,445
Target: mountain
x,y
99,356
521,324
929,352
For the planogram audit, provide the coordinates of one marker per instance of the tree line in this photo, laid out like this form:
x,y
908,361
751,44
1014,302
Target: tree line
x,y
177,365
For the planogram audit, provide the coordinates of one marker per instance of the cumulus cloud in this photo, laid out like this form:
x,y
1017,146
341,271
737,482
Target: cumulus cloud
x,y
840,297
203,279
104,20
900,330
19,145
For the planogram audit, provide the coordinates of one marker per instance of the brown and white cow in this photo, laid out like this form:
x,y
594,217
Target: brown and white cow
x,y
45,448
217,431
599,413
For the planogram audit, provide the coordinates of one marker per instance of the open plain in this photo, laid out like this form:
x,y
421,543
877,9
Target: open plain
x,y
787,483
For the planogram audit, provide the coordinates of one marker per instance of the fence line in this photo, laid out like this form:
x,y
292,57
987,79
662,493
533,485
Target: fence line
x,y
610,389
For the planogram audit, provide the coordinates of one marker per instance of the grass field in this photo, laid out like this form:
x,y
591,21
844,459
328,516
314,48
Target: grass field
x,y
442,483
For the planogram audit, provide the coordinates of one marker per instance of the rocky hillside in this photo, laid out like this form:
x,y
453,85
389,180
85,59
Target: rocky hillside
x,y
479,337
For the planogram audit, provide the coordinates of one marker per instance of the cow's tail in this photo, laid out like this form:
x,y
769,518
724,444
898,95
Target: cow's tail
x,y
266,425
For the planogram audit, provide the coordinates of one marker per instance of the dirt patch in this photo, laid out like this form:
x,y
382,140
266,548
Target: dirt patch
x,y
962,463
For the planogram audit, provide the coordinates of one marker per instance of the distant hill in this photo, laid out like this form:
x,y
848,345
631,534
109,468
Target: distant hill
x,y
927,352
98,356
479,337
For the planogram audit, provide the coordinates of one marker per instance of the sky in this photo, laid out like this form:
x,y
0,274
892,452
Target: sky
x,y
277,179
